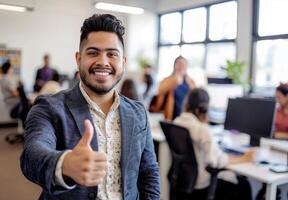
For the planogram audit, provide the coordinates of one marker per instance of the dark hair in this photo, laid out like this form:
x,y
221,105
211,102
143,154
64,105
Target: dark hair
x,y
179,58
5,67
56,77
283,88
129,90
197,99
102,22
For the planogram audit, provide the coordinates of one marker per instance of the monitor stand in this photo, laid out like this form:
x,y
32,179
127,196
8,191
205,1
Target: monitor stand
x,y
254,141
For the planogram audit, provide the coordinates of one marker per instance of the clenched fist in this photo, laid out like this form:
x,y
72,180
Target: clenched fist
x,y
85,166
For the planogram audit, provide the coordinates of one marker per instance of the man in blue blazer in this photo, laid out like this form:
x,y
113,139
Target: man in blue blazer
x,y
89,142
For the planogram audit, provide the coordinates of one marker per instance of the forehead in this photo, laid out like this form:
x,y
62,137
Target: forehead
x,y
181,62
102,39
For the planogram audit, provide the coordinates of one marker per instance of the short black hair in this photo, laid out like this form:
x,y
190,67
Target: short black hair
x,y
102,22
283,88
197,99
5,67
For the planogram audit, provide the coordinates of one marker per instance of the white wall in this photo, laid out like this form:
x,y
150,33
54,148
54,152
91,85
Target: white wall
x,y
53,27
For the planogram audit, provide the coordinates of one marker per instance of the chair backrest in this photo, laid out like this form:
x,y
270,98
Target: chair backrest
x,y
184,170
21,110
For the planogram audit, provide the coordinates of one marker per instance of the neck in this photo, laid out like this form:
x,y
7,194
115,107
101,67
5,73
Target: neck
x,y
103,101
285,108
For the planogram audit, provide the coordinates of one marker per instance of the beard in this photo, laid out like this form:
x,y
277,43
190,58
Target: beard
x,y
96,88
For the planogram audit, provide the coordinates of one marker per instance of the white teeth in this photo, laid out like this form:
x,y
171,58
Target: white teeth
x,y
101,73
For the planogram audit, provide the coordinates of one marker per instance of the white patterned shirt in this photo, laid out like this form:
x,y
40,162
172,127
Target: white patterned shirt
x,y
109,141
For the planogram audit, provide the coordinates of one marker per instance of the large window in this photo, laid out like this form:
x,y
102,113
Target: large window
x,y
205,35
270,35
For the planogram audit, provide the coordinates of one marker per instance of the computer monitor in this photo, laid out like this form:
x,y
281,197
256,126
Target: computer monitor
x,y
254,116
220,93
213,80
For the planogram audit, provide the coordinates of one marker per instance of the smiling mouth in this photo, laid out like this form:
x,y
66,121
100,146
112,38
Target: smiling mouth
x,y
101,71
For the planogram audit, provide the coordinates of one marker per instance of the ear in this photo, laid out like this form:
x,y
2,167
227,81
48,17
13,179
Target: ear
x,y
78,59
124,60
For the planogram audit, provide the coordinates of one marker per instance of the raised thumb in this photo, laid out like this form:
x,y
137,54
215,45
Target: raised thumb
x,y
87,135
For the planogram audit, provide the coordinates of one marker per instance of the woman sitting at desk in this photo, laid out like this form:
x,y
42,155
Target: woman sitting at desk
x,y
207,151
281,120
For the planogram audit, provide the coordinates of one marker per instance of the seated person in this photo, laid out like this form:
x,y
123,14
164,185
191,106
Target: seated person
x,y
52,86
9,86
128,89
173,89
44,74
207,152
281,119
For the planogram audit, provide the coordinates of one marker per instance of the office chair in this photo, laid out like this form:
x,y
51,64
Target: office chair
x,y
20,113
184,170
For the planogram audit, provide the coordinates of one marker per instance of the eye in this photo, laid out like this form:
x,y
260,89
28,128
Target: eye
x,y
92,53
112,54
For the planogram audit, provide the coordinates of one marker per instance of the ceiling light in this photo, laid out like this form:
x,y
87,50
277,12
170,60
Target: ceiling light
x,y
119,8
14,8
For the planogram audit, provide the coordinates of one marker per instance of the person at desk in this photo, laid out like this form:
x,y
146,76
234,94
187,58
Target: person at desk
x,y
281,120
129,89
173,89
52,86
9,87
43,74
195,119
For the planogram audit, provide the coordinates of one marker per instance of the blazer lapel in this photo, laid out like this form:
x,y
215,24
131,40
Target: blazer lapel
x,y
127,126
80,111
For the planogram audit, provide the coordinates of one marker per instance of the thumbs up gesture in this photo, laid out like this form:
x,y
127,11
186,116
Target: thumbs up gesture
x,y
85,166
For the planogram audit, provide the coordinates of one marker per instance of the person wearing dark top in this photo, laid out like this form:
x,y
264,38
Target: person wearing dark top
x,y
179,96
148,80
44,74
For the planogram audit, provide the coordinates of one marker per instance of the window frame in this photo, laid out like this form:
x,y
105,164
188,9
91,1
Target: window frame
x,y
256,38
207,40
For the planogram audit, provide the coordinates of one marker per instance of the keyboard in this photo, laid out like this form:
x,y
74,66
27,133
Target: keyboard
x,y
233,150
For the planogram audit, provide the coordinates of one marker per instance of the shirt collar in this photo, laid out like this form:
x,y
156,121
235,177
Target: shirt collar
x,y
93,105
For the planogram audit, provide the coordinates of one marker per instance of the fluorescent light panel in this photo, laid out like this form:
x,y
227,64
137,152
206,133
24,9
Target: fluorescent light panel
x,y
119,8
14,8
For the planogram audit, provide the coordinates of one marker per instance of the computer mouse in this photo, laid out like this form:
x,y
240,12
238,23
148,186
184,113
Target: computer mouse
x,y
264,162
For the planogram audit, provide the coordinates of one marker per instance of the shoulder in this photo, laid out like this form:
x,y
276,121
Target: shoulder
x,y
53,101
190,82
131,104
197,129
168,79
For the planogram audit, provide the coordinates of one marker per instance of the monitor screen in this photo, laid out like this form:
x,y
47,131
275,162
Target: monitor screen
x,y
220,93
211,80
254,116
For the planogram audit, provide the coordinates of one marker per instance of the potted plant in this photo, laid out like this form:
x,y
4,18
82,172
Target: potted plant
x,y
235,71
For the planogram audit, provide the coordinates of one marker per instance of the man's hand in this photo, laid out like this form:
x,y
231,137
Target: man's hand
x,y
85,166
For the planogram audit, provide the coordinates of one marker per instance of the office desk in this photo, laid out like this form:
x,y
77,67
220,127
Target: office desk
x,y
263,174
252,170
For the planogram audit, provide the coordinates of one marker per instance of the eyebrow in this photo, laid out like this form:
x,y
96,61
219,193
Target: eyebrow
x,y
106,49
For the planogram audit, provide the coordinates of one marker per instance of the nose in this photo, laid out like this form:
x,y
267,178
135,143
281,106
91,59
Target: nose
x,y
102,60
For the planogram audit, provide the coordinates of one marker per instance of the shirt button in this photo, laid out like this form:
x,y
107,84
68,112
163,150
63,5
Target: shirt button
x,y
92,195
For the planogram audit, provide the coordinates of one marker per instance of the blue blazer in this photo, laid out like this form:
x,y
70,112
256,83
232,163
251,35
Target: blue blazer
x,y
55,124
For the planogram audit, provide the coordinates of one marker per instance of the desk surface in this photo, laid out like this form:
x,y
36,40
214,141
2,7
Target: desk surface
x,y
259,173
